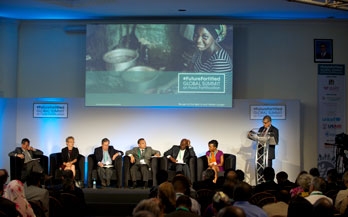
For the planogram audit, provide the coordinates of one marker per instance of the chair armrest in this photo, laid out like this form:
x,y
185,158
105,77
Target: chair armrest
x,y
91,165
202,164
229,161
193,168
16,165
81,166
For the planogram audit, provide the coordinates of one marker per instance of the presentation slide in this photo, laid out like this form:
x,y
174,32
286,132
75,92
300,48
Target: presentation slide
x,y
159,65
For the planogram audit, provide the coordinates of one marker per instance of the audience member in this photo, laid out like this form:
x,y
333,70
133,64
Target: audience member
x,y
314,172
7,206
304,182
166,195
183,208
332,183
215,158
69,155
280,207
342,194
179,157
27,153
299,207
207,182
151,205
161,176
316,190
241,195
283,181
269,184
140,158
182,187
14,191
143,213
240,175
231,211
68,186
219,201
323,208
108,158
34,192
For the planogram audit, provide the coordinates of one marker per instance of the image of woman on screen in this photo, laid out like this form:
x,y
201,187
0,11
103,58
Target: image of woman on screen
x,y
209,55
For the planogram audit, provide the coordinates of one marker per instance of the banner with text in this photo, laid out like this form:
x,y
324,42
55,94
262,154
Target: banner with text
x,y
331,113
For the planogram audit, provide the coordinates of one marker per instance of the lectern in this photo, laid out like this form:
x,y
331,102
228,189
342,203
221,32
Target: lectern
x,y
263,141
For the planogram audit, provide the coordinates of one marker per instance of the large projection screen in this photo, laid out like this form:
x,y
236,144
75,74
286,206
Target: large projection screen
x,y
159,65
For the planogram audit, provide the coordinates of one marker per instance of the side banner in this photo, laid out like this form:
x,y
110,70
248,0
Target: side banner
x,y
331,114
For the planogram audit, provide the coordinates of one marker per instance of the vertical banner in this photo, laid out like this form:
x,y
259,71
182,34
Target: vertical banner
x,y
331,113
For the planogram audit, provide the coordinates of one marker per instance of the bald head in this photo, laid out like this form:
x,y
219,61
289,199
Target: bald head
x,y
231,211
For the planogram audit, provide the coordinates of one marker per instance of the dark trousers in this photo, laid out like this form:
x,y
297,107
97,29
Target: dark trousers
x,y
184,168
31,166
144,170
105,174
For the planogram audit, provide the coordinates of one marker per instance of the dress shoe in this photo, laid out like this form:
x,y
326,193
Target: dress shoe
x,y
107,183
134,185
103,183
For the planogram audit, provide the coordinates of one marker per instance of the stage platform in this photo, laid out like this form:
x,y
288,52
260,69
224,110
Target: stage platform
x,y
113,201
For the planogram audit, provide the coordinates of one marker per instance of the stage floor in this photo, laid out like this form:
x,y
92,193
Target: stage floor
x,y
113,201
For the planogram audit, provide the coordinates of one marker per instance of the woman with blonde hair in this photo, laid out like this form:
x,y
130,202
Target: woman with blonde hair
x,y
167,197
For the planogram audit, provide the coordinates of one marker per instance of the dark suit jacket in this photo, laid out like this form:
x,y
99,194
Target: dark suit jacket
x,y
147,154
19,150
73,156
174,151
275,133
98,152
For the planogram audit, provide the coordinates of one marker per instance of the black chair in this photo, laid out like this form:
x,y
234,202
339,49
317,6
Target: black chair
x,y
202,164
152,174
56,207
72,205
16,166
262,198
92,171
37,208
56,161
164,164
204,198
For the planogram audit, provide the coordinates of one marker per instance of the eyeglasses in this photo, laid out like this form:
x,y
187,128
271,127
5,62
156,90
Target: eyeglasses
x,y
265,122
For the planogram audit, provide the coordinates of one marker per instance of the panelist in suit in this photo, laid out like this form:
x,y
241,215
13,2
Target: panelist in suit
x,y
179,156
107,157
27,153
69,155
268,128
140,158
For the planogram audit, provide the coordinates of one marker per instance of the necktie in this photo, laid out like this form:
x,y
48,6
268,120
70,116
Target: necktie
x,y
142,152
264,131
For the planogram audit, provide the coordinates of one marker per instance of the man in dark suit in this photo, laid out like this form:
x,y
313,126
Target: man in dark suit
x,y
269,129
27,153
108,157
140,158
179,157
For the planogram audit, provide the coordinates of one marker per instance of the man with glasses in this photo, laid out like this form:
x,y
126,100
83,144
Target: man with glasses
x,y
271,130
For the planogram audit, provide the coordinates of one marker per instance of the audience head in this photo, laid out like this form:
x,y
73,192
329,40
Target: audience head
x,y
299,207
143,213
231,211
230,174
181,184
240,175
3,179
167,197
150,205
220,200
209,174
332,176
314,172
67,174
242,192
268,174
34,179
304,181
281,177
318,184
184,201
323,208
283,195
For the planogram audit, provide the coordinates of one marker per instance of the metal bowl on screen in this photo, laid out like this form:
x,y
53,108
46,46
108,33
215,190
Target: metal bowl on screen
x,y
140,79
120,59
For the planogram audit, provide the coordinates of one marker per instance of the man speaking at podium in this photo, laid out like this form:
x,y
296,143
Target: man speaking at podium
x,y
268,128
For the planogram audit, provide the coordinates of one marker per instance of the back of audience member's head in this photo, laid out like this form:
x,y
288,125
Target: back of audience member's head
x,y
67,174
209,174
151,205
226,173
231,211
184,201
220,200
299,207
143,213
181,184
299,174
228,189
318,184
283,195
3,178
242,192
161,176
314,172
269,174
34,179
323,208
167,197
240,175
281,177
304,181
332,175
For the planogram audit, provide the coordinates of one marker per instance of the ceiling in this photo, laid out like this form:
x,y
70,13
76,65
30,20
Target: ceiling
x,y
111,9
